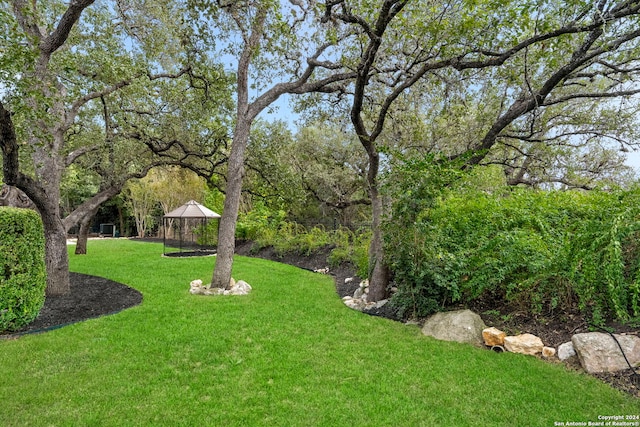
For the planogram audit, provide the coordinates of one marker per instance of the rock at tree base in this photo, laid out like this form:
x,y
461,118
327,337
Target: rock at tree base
x,y
462,326
598,352
493,336
238,288
524,344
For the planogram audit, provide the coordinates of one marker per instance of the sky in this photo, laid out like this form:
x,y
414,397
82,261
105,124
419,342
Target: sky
x,y
633,160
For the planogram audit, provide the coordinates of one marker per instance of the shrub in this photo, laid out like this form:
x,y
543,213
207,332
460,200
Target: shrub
x,y
534,249
22,268
351,247
269,228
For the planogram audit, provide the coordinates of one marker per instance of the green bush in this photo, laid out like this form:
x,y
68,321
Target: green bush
x,y
22,268
537,250
351,247
260,225
269,228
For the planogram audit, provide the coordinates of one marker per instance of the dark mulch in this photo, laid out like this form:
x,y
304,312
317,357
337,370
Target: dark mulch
x,y
95,296
90,297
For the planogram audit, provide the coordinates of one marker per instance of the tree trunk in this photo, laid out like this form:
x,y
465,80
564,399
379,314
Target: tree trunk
x,y
56,256
227,232
379,273
83,233
121,221
83,236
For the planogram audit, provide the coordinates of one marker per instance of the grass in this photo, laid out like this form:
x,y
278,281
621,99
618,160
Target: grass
x,y
288,354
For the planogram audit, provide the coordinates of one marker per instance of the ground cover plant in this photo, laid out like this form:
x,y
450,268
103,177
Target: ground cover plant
x,y
290,353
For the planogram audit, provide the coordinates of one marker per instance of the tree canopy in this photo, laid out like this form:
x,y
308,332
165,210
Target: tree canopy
x,y
106,91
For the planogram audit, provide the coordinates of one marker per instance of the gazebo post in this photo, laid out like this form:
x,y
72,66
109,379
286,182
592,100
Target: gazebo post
x,y
181,231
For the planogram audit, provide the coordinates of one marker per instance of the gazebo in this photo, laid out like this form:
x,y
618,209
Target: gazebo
x,y
190,223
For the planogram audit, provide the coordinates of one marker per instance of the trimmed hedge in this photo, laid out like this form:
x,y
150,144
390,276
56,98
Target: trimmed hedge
x,y
22,267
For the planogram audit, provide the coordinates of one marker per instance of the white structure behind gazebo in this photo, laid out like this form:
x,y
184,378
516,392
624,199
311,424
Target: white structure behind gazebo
x,y
191,214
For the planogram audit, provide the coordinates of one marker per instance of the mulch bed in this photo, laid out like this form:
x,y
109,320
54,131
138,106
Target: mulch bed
x,y
90,297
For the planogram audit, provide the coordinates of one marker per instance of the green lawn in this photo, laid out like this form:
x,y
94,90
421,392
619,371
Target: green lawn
x,y
288,354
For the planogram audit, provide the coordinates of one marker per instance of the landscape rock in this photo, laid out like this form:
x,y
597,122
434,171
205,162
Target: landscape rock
x,y
358,293
356,304
240,288
524,344
598,352
380,303
196,287
493,336
462,326
548,352
566,351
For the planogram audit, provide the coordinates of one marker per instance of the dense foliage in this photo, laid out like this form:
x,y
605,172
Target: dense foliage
x,y
537,251
22,269
271,228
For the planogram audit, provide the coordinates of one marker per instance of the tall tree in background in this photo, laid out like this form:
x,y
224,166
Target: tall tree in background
x,y
278,48
541,53
173,186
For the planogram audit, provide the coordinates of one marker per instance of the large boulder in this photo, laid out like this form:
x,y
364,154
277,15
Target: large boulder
x,y
599,352
463,326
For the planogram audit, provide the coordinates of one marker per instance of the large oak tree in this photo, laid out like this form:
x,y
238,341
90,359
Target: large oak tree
x,y
63,59
542,54
277,48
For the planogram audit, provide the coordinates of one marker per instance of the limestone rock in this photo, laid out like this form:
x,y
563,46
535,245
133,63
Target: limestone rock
x,y
196,287
548,352
240,288
524,344
461,326
493,336
599,352
356,304
566,351
380,303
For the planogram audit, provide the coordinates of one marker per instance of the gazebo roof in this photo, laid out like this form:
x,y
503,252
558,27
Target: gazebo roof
x,y
192,209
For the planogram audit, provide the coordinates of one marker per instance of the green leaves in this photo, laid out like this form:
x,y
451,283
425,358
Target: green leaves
x,y
538,251
22,269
